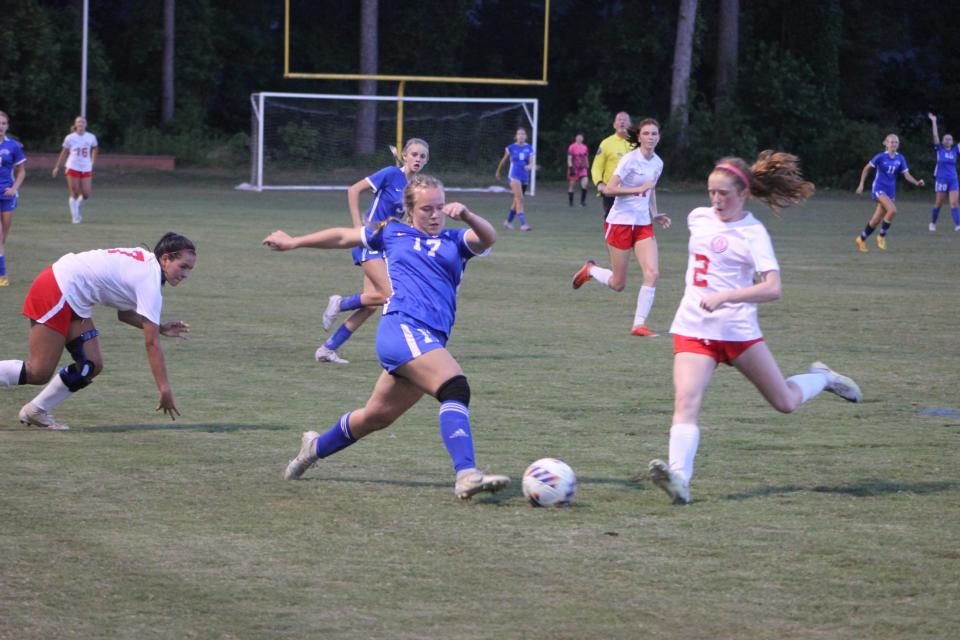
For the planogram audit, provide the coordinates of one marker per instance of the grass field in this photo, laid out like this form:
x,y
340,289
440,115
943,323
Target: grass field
x,y
839,521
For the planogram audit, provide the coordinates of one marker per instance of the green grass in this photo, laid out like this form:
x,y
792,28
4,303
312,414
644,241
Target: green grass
x,y
839,521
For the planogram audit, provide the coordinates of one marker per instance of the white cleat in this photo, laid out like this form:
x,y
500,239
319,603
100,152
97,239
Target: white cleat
x,y
671,482
932,227
841,385
34,416
305,459
508,225
333,309
323,354
471,482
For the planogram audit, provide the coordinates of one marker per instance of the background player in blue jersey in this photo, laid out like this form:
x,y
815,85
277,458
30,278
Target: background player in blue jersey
x,y
884,190
426,265
520,155
944,176
12,172
387,186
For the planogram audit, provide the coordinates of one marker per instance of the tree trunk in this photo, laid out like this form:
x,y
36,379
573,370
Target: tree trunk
x,y
167,101
727,47
682,60
366,132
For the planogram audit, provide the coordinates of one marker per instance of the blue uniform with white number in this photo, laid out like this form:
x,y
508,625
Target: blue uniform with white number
x,y
388,185
11,155
520,155
885,182
425,274
945,175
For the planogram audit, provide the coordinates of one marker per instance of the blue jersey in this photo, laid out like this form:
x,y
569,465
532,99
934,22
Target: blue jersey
x,y
946,163
11,154
520,155
887,171
388,185
425,271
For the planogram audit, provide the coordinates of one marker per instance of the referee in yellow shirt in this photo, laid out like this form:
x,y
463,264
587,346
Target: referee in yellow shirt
x,y
608,155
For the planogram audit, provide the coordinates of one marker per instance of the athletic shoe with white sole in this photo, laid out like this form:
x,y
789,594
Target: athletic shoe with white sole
x,y
582,276
324,354
671,483
507,224
305,459
932,227
34,416
471,482
333,309
841,385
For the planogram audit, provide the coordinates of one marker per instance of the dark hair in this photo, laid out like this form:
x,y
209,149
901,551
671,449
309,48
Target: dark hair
x,y
633,133
173,243
774,178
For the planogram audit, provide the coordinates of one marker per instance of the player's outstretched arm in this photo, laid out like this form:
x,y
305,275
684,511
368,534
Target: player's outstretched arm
x,y
909,178
335,238
933,122
158,366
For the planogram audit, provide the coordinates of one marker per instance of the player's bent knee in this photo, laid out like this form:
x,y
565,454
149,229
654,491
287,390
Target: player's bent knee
x,y
457,389
78,375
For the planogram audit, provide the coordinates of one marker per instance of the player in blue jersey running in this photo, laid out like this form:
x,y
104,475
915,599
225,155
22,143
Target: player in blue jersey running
x,y
12,172
426,265
884,190
944,176
387,186
520,155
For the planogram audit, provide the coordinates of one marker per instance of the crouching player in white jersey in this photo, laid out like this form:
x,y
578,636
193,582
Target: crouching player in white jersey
x,y
60,306
426,265
717,318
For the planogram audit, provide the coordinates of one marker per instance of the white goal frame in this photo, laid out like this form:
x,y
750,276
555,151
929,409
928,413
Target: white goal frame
x,y
531,108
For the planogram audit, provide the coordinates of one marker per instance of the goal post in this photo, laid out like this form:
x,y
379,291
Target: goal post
x,y
309,141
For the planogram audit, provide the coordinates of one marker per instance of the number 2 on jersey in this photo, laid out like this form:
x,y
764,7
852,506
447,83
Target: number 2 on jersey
x,y
700,272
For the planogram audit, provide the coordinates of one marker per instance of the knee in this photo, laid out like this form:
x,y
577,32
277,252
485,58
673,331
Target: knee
x,y
456,389
650,276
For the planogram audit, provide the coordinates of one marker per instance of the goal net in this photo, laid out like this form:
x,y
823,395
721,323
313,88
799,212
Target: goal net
x,y
317,141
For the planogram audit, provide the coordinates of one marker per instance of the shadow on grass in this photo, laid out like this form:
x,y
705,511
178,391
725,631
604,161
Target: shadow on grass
x,y
866,488
209,427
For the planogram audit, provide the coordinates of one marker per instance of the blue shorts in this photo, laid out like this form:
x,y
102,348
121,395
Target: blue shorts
x,y
400,339
362,254
945,185
881,192
8,204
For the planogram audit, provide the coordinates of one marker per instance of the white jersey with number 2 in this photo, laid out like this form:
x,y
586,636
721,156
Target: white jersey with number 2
x,y
124,279
723,256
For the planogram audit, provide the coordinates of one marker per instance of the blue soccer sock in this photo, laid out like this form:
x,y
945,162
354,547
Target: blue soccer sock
x,y
934,214
455,433
341,335
955,212
511,215
3,266
336,438
349,303
522,218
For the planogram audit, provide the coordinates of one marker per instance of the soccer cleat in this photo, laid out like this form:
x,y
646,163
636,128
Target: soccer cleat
x,y
324,354
526,227
841,385
670,482
471,482
508,224
932,227
305,459
957,228
583,275
4,281
861,245
34,416
881,242
642,331
333,309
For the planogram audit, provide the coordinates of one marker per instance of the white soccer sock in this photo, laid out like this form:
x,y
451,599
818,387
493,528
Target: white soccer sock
x,y
80,201
684,440
600,274
72,203
810,384
644,304
53,394
10,372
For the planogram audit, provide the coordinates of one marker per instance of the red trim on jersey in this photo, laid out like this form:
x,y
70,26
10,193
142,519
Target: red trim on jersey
x,y
723,351
73,173
624,236
45,298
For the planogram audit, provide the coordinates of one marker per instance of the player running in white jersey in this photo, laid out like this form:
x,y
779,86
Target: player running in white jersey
x,y
80,151
60,307
732,268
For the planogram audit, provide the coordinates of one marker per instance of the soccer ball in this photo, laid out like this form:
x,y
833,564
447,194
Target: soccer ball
x,y
549,482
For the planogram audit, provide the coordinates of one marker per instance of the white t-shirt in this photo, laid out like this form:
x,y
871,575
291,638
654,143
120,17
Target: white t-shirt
x,y
81,151
634,170
723,256
124,279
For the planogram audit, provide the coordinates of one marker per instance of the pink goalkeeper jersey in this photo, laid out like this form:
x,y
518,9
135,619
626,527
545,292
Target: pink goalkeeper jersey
x,y
723,256
124,279
578,153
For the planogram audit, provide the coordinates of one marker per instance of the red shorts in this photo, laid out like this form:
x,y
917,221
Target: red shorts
x,y
624,236
723,351
45,303
79,174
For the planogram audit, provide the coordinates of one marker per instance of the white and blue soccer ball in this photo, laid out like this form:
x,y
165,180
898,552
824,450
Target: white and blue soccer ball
x,y
549,482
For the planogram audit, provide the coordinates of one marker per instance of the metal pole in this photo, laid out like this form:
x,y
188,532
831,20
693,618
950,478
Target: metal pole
x,y
83,56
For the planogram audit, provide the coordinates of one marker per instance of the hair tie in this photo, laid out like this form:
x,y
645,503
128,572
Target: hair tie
x,y
726,166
